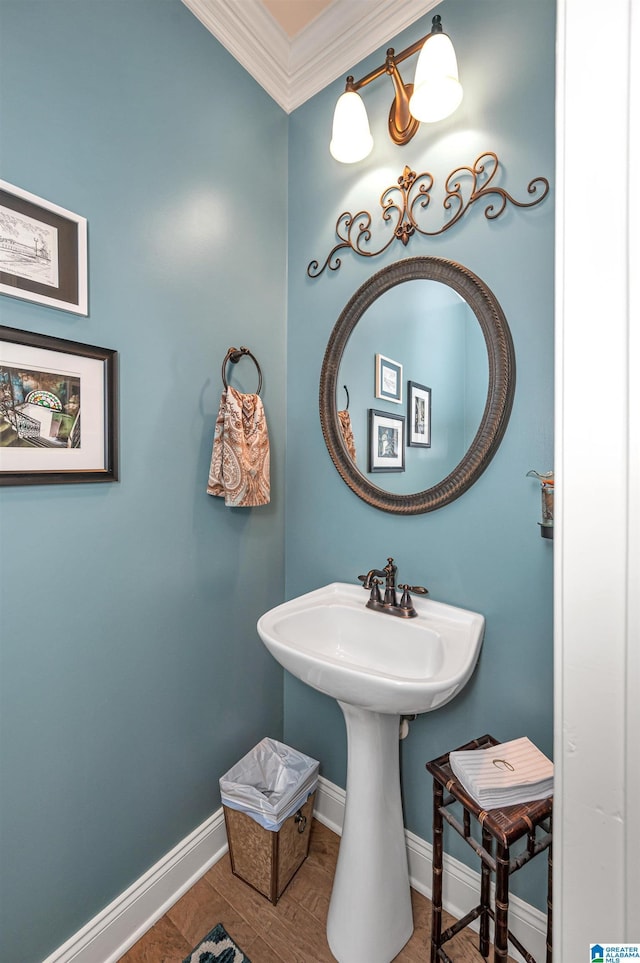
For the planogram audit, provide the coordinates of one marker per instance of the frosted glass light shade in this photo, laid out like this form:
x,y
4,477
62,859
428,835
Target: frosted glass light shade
x,y
437,91
351,140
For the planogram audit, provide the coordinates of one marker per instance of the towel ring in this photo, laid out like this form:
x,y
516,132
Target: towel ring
x,y
233,355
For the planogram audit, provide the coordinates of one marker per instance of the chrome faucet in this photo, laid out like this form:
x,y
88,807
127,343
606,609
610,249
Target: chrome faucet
x,y
372,581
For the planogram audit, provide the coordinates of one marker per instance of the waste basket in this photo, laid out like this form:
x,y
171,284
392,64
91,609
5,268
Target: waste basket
x,y
268,799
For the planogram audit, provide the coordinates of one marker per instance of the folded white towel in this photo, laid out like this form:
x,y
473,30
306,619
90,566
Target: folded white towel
x,y
240,458
504,775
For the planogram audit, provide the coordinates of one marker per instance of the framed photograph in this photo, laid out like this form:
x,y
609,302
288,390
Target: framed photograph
x,y
418,415
58,410
43,251
386,441
388,379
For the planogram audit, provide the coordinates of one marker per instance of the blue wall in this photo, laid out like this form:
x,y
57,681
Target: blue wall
x,y
132,675
484,551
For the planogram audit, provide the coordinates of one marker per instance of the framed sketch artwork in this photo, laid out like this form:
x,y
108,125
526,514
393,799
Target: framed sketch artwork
x,y
386,441
43,251
418,415
388,379
58,410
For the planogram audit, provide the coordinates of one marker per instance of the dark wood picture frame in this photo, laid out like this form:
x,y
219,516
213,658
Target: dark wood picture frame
x,y
418,415
386,441
46,385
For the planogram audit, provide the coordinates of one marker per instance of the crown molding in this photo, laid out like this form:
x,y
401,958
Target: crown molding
x,y
293,71
250,35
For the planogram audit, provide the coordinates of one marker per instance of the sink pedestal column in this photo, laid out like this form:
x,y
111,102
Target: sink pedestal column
x,y
370,916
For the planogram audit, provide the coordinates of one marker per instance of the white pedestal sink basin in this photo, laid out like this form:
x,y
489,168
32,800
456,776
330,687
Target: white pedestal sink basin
x,y
379,667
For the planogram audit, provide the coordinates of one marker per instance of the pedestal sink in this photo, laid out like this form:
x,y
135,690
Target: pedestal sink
x,y
379,668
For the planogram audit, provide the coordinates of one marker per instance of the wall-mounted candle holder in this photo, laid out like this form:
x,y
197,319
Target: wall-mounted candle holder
x,y
546,491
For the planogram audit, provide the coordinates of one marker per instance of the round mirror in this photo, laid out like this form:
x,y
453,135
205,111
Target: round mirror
x,y
422,360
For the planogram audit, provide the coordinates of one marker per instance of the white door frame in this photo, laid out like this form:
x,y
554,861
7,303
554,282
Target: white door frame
x,y
597,534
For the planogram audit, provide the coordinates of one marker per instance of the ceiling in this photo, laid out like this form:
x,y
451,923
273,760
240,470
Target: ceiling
x,y
294,15
294,48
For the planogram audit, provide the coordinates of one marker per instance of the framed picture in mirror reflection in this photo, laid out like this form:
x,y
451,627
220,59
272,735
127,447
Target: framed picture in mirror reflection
x,y
418,415
386,441
388,379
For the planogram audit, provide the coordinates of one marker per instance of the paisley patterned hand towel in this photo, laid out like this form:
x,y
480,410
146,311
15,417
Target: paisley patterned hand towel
x,y
347,432
239,469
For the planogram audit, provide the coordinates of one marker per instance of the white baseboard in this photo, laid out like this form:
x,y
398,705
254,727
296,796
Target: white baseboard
x,y
112,932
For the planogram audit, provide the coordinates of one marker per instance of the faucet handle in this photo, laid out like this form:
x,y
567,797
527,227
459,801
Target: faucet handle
x,y
375,590
371,582
405,601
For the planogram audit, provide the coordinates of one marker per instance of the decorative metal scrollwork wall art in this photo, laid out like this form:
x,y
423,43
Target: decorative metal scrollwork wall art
x,y
407,201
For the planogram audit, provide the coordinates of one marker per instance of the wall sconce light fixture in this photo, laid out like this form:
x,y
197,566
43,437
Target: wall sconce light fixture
x,y
435,93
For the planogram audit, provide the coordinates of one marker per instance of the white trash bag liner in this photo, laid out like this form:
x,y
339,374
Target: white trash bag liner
x,y
270,783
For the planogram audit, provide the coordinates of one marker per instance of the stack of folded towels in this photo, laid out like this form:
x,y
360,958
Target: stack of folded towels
x,y
508,774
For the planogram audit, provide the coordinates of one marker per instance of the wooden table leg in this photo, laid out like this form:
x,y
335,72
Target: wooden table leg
x,y
485,895
502,904
436,893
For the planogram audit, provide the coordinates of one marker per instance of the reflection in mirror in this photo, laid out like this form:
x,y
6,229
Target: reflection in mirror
x,y
434,324
429,329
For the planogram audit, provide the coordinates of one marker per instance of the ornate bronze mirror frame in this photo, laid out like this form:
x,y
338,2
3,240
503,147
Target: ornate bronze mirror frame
x,y
500,392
